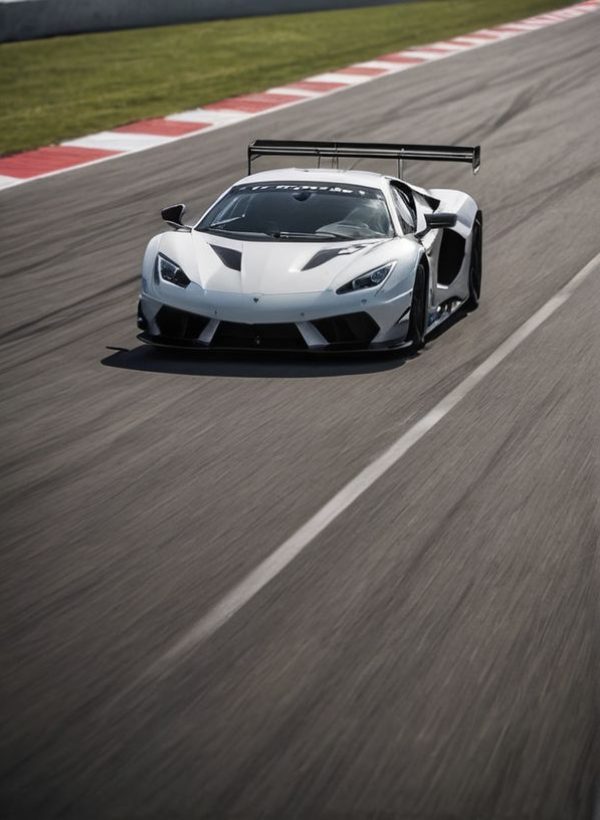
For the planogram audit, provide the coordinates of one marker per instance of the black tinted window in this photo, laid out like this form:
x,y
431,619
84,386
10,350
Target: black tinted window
x,y
317,211
405,209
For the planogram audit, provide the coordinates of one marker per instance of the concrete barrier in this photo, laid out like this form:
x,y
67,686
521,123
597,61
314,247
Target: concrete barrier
x,y
29,19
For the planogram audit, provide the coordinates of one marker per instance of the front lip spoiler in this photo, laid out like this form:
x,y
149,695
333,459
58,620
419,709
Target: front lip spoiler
x,y
201,347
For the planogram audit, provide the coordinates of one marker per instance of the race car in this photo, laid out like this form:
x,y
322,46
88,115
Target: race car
x,y
316,259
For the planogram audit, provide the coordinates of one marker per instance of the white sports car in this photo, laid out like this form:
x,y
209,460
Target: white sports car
x,y
316,259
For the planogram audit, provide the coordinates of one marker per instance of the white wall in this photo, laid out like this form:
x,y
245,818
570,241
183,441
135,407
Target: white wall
x,y
28,19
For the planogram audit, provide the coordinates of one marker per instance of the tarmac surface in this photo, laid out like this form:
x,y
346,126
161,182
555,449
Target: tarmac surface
x,y
434,653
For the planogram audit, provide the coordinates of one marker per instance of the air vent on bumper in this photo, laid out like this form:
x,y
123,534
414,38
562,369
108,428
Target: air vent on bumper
x,y
269,336
177,325
351,329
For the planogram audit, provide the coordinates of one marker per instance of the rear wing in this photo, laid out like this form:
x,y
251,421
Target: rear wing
x,y
364,150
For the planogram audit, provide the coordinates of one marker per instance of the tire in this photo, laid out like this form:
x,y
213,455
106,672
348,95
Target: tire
x,y
417,324
475,269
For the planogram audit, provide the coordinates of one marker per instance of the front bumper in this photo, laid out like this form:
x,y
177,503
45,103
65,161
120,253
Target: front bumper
x,y
184,331
300,326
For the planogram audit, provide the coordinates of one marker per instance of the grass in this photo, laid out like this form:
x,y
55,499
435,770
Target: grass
x,y
64,87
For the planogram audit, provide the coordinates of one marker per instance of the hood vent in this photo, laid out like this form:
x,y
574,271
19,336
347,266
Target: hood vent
x,y
330,253
230,258
320,258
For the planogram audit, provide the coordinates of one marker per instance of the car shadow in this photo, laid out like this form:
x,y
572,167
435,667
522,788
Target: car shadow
x,y
250,365
266,364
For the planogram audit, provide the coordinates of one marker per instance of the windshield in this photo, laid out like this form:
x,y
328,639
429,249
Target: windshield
x,y
292,210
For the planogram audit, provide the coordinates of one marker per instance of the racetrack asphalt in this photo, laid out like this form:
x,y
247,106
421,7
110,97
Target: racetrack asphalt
x,y
434,652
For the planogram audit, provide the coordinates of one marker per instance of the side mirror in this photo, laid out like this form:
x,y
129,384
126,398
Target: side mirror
x,y
172,216
440,219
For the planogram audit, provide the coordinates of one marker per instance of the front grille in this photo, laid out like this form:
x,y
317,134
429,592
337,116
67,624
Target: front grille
x,y
177,325
352,328
271,336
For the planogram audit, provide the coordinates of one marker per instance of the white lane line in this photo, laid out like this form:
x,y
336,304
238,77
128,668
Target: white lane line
x,y
119,141
384,64
495,33
471,41
333,77
291,92
515,30
447,45
6,182
211,117
532,24
423,54
268,569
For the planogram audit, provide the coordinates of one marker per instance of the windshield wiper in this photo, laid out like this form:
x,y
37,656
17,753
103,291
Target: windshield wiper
x,y
224,222
343,236
301,235
213,229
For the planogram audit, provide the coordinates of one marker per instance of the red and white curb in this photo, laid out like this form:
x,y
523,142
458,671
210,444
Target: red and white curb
x,y
141,136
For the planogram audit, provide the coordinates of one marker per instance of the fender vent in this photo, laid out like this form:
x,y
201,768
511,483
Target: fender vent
x,y
452,253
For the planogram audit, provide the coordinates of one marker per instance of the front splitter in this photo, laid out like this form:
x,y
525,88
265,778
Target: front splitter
x,y
200,347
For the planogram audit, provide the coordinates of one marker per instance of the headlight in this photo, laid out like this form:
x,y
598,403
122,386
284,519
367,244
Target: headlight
x,y
169,271
372,279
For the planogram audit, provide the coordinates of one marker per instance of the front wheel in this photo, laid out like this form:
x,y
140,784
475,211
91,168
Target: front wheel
x,y
417,323
475,268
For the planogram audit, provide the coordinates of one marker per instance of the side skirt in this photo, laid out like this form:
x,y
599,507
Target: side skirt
x,y
443,312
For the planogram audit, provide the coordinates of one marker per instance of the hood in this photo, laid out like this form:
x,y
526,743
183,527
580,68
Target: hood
x,y
223,264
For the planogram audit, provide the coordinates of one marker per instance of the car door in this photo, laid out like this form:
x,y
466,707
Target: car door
x,y
445,249
431,239
411,208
